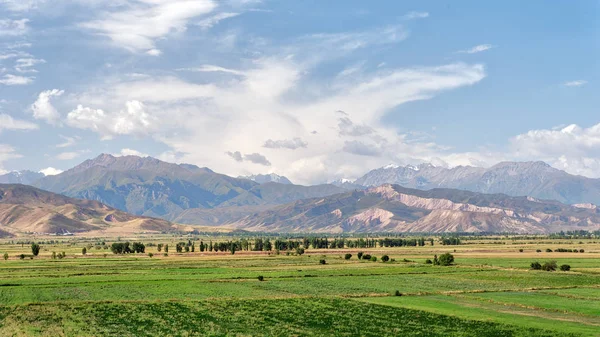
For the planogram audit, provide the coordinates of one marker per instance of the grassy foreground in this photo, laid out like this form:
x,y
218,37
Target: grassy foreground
x,y
490,291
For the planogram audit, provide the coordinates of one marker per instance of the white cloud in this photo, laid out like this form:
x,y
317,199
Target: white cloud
x,y
25,65
9,123
138,25
51,171
415,15
477,49
215,19
9,79
69,141
290,144
13,27
577,83
154,52
21,5
43,109
571,148
212,68
130,152
133,120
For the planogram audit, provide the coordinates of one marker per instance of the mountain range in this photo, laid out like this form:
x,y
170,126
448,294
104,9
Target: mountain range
x,y
150,187
188,194
534,179
20,177
393,208
26,209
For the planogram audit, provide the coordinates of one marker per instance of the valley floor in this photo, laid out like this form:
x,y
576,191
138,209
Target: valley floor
x,y
490,291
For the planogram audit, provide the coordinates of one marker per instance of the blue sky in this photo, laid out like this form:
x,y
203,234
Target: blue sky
x,y
314,90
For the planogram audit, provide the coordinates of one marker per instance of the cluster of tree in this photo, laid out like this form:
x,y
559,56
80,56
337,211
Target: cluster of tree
x,y
453,241
403,242
445,259
126,248
58,256
35,249
565,250
548,266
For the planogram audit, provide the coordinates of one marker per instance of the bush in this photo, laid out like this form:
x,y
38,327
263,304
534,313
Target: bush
x,y
150,255
261,278
322,261
5,256
83,251
521,250
565,267
373,258
536,266
22,256
300,251
165,254
360,254
549,266
581,250
366,257
538,250
446,259
397,293
35,249
348,256
428,261
385,258
548,250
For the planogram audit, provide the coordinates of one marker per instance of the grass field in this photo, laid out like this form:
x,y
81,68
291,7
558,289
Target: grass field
x,y
489,291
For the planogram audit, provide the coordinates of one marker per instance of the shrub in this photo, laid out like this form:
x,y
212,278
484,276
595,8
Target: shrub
x,y
428,261
538,250
581,250
261,278
360,254
35,249
536,266
548,250
521,250
373,258
565,267
385,258
83,251
549,266
5,256
53,255
397,293
322,261
446,259
300,251
348,256
366,257
22,256
165,254
150,255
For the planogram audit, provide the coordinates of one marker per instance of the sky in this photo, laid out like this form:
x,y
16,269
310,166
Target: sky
x,y
312,90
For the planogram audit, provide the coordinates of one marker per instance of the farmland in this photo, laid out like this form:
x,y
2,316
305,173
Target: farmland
x,y
488,291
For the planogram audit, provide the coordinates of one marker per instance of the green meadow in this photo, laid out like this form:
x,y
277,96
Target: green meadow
x,y
488,291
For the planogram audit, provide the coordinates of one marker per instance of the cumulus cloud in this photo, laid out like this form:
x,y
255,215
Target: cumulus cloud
x,y
347,128
43,109
9,79
137,26
9,123
237,155
51,171
577,83
131,121
477,49
131,152
291,144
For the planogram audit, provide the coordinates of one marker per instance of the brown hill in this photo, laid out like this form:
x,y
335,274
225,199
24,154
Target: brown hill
x,y
25,209
392,208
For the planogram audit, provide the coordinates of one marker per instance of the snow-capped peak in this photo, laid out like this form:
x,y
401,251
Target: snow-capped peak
x,y
390,166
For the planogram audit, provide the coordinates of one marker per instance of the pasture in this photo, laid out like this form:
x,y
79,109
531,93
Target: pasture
x,y
488,291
